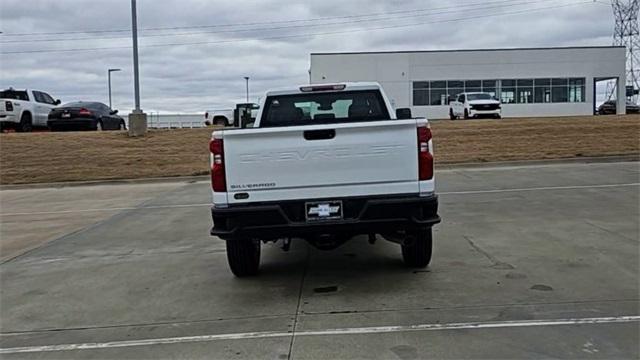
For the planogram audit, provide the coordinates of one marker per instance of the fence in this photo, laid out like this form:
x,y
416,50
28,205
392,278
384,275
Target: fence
x,y
174,121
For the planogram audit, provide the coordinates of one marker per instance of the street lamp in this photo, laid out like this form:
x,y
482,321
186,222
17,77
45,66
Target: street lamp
x,y
109,77
246,78
137,118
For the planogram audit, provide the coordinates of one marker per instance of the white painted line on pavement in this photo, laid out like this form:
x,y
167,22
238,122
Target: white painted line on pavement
x,y
327,332
573,187
105,209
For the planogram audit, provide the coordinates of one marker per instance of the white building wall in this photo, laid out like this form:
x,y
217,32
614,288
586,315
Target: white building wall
x,y
397,71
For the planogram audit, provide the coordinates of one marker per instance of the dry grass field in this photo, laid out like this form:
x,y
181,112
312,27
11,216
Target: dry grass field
x,y
76,156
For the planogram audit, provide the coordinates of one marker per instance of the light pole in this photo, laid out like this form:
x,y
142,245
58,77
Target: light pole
x,y
137,119
109,76
134,34
246,78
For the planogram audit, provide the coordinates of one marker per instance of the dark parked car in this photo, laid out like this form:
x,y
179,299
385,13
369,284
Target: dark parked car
x,y
609,107
85,116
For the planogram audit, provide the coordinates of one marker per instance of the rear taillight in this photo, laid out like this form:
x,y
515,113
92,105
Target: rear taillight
x,y
425,158
84,111
8,106
218,182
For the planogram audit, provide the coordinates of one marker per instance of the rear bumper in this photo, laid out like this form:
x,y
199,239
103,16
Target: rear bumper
x,y
361,216
9,119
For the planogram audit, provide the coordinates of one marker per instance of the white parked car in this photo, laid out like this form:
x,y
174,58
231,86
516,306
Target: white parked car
x,y
324,163
473,105
24,109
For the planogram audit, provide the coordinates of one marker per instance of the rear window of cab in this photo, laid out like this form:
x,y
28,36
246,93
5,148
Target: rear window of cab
x,y
323,108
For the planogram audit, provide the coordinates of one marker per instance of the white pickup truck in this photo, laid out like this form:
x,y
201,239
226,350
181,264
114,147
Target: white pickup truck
x,y
324,163
24,109
230,117
473,105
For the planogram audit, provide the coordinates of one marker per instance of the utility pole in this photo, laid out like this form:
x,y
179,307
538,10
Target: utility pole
x,y
246,78
109,71
627,34
137,119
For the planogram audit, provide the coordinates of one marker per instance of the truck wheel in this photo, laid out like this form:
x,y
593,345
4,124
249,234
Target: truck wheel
x,y
466,114
25,123
220,121
417,252
243,256
451,116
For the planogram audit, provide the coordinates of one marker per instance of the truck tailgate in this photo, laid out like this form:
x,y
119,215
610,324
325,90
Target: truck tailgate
x,y
321,161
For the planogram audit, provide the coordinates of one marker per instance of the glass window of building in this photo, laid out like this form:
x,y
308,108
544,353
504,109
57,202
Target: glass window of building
x,y
420,93
542,90
438,93
473,86
577,90
455,87
490,86
559,90
508,91
525,91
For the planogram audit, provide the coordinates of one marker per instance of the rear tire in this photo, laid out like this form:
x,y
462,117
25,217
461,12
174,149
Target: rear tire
x,y
466,114
220,121
243,256
26,124
451,115
419,248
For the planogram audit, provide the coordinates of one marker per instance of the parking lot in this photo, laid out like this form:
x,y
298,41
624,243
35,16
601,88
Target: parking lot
x,y
529,261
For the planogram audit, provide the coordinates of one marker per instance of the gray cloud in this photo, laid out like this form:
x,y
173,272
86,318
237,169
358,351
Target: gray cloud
x,y
191,78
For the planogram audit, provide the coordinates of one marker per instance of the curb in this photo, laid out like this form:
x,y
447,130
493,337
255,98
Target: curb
x,y
445,166
169,179
574,160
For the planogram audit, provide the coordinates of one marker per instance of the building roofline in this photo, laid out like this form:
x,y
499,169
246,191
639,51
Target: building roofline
x,y
466,50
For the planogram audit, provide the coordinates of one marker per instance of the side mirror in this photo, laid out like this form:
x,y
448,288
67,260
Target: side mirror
x,y
403,114
57,102
113,112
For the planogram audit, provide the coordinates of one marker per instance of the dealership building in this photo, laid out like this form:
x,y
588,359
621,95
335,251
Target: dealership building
x,y
528,81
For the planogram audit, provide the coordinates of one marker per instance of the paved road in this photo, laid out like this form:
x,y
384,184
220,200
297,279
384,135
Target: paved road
x,y
529,262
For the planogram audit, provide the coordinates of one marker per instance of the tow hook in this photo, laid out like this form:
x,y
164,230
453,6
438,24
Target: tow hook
x,y
286,244
372,239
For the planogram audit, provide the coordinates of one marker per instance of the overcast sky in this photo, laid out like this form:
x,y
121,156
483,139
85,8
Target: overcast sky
x,y
268,40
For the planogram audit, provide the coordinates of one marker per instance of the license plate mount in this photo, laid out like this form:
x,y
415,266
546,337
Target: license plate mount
x,y
318,211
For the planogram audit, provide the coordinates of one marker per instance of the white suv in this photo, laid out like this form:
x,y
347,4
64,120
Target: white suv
x,y
473,105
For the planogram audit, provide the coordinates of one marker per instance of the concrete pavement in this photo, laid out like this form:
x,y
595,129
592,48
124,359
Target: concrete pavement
x,y
530,261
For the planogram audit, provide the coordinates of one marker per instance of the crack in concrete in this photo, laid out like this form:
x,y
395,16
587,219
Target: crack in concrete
x,y
297,314
496,264
634,241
